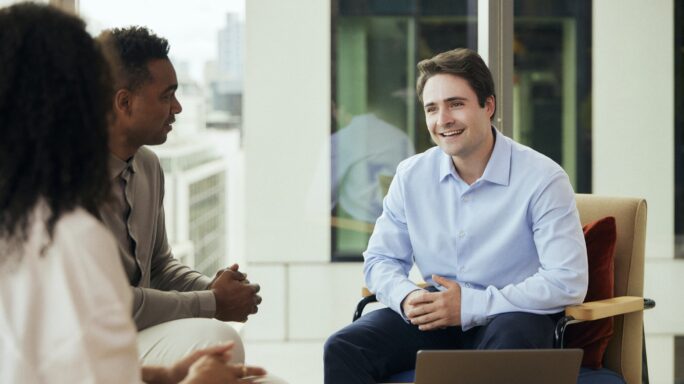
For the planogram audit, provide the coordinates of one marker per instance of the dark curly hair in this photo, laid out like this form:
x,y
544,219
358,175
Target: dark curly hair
x,y
135,47
55,99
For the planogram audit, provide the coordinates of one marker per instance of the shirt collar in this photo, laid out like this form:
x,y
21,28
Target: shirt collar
x,y
446,167
116,165
498,167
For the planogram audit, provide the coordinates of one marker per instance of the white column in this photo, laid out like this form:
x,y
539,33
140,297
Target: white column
x,y
287,131
287,118
633,109
633,150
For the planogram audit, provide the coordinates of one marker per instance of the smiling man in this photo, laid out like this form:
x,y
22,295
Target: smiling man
x,y
491,225
173,305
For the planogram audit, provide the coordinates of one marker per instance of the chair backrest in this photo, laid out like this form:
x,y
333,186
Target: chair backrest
x,y
624,353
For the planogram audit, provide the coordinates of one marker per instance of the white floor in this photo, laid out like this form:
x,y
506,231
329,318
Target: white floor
x,y
298,362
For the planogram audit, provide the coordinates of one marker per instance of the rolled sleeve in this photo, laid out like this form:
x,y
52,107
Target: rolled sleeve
x,y
207,303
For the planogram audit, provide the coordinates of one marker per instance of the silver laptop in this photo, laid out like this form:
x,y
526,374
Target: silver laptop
x,y
515,366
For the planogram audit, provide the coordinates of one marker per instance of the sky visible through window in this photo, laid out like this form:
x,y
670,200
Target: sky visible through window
x,y
190,27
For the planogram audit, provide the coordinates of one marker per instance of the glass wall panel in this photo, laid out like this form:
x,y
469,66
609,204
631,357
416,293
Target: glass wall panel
x,y
376,119
679,360
679,129
552,83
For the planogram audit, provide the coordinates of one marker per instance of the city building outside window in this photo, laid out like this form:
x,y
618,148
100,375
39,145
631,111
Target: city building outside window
x,y
207,53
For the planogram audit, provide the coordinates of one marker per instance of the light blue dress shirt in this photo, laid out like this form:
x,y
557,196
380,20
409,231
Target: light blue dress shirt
x,y
512,240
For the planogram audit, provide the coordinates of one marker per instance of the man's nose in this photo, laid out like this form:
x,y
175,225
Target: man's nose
x,y
444,117
176,107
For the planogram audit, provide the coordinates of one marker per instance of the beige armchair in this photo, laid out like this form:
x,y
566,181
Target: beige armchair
x,y
625,350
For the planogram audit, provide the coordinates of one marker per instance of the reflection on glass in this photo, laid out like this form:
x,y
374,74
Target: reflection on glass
x,y
552,83
376,119
679,360
679,135
364,151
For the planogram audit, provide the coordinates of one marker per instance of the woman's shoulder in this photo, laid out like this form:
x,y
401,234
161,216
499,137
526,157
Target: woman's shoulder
x,y
79,222
80,232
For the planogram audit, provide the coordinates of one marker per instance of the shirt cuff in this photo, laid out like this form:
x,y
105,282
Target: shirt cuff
x,y
473,307
398,295
207,303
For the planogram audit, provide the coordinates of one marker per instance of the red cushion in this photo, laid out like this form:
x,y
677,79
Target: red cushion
x,y
593,336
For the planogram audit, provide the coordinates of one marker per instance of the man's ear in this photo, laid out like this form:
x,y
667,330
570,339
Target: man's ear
x,y
123,99
490,106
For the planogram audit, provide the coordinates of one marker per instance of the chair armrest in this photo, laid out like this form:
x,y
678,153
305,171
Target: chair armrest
x,y
601,309
365,292
362,304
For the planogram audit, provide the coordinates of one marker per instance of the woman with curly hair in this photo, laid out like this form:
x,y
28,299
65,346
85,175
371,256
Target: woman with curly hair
x,y
64,299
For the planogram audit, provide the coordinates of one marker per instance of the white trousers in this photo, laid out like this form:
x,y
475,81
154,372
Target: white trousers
x,y
166,343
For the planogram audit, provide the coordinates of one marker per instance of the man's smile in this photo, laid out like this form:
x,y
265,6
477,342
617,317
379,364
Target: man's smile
x,y
454,132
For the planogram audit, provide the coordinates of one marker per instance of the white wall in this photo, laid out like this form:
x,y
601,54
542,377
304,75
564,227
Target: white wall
x,y
287,130
633,151
287,174
633,124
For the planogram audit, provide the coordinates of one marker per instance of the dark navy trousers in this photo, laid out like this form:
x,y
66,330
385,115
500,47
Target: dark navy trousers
x,y
381,343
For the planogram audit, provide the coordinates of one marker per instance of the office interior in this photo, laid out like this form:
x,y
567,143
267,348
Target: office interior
x,y
597,85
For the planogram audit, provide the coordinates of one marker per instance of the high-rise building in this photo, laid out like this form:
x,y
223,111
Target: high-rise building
x,y
195,185
195,203
231,47
225,77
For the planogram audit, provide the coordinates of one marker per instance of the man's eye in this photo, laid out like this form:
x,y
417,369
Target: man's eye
x,y
457,104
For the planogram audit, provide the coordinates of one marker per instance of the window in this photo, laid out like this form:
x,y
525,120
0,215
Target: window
x,y
679,128
377,121
207,222
552,83
679,167
679,360
207,53
376,118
